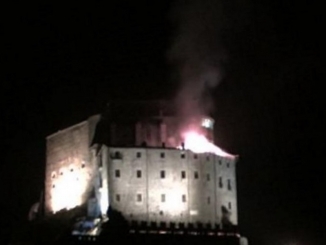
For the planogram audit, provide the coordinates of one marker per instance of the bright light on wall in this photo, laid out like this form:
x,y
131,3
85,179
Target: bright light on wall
x,y
68,188
174,205
104,200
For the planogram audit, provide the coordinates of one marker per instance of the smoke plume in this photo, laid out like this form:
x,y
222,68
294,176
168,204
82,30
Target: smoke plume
x,y
197,54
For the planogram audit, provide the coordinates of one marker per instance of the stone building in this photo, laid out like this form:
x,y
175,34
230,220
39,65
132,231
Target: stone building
x,y
131,159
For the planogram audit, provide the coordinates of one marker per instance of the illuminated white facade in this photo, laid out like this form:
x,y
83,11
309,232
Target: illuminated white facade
x,y
70,166
140,171
164,185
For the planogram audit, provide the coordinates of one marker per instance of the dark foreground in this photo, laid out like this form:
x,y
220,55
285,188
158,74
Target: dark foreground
x,y
58,229
156,239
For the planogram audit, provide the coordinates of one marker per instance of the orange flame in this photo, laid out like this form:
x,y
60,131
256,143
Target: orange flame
x,y
198,143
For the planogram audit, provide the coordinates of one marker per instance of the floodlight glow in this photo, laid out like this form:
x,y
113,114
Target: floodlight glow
x,y
174,205
104,200
68,188
207,123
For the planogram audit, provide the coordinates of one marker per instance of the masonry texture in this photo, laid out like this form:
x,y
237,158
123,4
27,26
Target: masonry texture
x,y
171,186
70,166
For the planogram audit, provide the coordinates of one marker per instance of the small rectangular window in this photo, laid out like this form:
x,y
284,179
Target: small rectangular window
x,y
100,180
183,174
208,177
138,173
163,198
220,182
208,200
117,173
207,158
183,155
138,154
229,185
139,198
196,175
195,156
228,165
162,155
184,198
117,197
230,206
162,174
117,155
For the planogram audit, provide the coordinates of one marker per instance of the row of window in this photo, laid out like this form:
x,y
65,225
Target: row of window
x,y
139,198
118,155
183,176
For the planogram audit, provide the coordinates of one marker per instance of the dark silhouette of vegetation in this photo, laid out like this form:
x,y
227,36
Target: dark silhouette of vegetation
x,y
48,230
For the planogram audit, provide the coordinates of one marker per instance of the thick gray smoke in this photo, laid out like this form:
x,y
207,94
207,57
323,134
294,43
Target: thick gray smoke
x,y
197,53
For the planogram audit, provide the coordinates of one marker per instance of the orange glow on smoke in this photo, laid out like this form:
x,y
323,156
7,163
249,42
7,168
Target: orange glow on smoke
x,y
198,143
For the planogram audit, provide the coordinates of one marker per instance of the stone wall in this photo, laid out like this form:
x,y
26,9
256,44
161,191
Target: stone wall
x,y
170,185
70,166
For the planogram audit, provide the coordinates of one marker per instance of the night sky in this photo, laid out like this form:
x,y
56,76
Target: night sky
x,y
62,64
